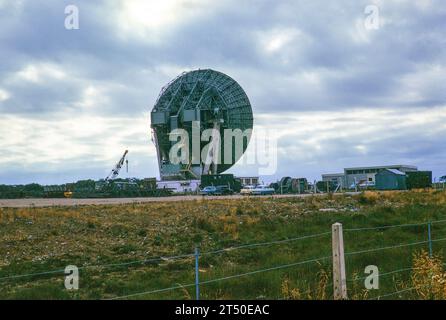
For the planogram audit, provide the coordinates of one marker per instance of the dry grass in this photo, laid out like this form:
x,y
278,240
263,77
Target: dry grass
x,y
428,276
38,239
290,291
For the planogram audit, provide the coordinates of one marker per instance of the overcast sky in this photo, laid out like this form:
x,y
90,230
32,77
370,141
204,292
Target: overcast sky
x,y
336,93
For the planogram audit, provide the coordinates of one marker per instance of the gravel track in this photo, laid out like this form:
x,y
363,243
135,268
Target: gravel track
x,y
27,203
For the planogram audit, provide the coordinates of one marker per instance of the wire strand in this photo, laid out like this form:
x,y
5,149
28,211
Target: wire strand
x,y
223,278
153,291
260,244
100,266
384,274
169,257
395,226
392,247
399,291
265,270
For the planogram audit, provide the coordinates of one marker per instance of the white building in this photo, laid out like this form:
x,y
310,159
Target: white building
x,y
363,175
249,181
179,186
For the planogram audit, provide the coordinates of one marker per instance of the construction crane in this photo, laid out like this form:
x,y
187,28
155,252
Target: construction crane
x,y
115,171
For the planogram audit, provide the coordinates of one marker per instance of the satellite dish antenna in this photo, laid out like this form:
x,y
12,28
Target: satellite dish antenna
x,y
196,101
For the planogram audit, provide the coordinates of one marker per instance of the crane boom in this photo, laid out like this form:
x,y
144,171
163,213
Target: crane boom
x,y
115,171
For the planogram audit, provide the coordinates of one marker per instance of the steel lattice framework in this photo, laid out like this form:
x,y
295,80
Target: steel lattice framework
x,y
207,97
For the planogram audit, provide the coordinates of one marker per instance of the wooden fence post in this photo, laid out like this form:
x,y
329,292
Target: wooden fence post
x,y
429,238
339,278
197,271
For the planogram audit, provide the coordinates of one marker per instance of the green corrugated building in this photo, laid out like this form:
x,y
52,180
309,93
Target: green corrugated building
x,y
390,179
419,179
226,179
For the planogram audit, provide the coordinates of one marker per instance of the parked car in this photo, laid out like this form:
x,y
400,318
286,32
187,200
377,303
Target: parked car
x,y
262,190
363,185
366,184
247,190
208,191
216,191
223,190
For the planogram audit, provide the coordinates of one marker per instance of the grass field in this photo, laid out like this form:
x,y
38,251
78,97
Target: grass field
x,y
35,240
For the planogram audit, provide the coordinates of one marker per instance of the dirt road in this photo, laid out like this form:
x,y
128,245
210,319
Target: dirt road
x,y
26,203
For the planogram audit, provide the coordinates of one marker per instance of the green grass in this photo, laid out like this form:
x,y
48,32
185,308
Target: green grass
x,y
42,239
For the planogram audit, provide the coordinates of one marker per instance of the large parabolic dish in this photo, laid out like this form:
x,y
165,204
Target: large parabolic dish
x,y
199,100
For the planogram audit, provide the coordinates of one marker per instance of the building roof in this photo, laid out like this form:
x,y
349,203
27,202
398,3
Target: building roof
x,y
396,172
333,174
384,167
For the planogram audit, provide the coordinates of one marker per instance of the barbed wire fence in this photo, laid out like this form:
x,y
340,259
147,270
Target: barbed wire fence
x,y
340,279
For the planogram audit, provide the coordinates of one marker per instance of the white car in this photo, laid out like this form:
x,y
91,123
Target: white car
x,y
262,190
247,190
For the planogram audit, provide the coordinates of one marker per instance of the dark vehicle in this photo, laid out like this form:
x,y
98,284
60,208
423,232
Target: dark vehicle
x,y
208,191
223,190
221,180
216,191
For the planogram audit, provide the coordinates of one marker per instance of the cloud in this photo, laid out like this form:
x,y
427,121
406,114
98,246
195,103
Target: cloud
x,y
152,21
4,95
321,141
80,142
331,86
